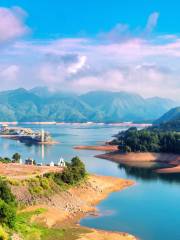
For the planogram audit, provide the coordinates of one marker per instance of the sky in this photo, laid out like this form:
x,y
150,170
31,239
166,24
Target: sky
x,y
81,46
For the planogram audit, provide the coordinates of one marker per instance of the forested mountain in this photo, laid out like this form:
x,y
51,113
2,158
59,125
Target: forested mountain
x,y
40,104
171,115
170,120
127,106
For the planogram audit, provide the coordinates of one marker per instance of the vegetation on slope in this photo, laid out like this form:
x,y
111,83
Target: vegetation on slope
x,y
169,121
148,140
15,159
41,105
32,230
11,222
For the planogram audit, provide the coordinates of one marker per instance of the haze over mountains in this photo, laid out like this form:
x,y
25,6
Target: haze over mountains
x,y
40,104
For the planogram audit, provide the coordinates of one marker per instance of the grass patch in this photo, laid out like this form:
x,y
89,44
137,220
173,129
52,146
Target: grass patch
x,y
29,230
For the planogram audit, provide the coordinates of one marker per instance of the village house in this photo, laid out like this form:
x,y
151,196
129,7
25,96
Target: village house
x,y
61,163
29,161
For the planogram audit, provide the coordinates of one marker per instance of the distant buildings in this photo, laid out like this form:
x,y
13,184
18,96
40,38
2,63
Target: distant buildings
x,y
51,164
61,162
29,161
26,135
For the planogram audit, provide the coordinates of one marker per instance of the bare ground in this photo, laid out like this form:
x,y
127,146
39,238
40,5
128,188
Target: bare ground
x,y
22,171
68,207
107,148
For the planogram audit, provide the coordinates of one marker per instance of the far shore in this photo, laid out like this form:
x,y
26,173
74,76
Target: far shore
x,y
105,148
15,137
172,160
66,208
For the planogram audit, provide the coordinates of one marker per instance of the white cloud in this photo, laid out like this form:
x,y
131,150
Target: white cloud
x,y
127,61
75,67
9,73
152,22
12,23
57,68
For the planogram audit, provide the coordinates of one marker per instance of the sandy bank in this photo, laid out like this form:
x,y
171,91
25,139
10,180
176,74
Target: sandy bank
x,y
104,235
68,207
116,156
175,169
107,148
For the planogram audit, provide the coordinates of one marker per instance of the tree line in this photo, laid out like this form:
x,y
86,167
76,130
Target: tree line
x,y
147,140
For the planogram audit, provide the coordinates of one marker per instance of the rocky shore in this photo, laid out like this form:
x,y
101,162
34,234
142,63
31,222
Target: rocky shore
x,y
66,208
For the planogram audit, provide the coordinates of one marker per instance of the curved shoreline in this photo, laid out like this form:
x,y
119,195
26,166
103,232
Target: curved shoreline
x,y
171,160
143,157
76,203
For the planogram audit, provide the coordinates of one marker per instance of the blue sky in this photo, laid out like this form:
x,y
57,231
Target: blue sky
x,y
78,17
77,45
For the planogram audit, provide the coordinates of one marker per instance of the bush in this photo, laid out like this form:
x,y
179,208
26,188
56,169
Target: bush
x,y
72,174
5,192
16,158
7,214
5,160
3,234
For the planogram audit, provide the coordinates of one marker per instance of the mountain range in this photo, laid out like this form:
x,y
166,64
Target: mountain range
x,y
169,121
40,104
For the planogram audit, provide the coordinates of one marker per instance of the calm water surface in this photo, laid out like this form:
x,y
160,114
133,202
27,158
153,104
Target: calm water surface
x,y
149,210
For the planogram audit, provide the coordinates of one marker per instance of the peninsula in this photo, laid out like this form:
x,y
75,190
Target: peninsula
x,y
51,203
147,145
26,135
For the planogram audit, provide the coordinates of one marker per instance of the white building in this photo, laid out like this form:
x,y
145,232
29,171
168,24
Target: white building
x,y
61,162
20,161
51,164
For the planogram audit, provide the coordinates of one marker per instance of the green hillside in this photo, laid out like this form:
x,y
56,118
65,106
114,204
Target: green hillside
x,y
40,104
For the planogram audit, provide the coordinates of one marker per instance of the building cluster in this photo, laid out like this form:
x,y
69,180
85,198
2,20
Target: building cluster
x,y
60,163
26,135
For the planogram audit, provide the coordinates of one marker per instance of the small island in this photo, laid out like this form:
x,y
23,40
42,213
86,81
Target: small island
x,y
147,145
26,135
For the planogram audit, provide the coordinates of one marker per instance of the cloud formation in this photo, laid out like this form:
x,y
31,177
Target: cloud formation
x,y
119,60
12,23
152,22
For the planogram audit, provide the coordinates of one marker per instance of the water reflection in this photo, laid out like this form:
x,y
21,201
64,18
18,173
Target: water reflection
x,y
147,172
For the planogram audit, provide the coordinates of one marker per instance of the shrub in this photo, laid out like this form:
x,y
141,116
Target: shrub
x,y
16,158
72,174
5,192
3,234
7,214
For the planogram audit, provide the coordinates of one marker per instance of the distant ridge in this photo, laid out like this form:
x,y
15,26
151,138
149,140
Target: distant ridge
x,y
40,104
169,121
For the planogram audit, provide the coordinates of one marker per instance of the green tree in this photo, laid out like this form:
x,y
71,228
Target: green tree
x,y
5,192
7,214
16,157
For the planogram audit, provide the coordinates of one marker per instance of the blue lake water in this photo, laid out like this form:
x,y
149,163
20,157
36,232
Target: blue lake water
x,y
149,210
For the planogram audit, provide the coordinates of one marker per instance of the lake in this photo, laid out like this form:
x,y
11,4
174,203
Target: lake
x,y
149,210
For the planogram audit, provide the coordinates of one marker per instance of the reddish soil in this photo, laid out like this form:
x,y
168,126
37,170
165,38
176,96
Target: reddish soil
x,y
107,148
22,171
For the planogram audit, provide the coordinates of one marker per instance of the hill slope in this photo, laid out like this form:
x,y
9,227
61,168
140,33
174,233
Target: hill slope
x,y
170,120
40,104
126,106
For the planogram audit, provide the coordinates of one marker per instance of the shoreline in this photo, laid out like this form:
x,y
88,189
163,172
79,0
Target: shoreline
x,y
106,148
171,160
119,157
76,203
